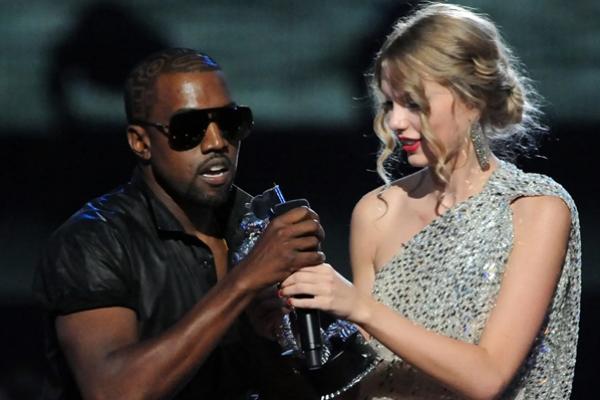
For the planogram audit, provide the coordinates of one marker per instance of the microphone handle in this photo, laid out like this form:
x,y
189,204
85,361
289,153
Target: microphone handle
x,y
309,322
309,327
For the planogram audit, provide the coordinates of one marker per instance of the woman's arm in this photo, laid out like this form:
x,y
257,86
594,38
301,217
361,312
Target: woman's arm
x,y
363,245
541,231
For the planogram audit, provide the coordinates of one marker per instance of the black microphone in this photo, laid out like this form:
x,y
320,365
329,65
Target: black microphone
x,y
308,321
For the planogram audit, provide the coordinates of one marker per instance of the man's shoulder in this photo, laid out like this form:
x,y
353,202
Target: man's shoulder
x,y
121,207
85,263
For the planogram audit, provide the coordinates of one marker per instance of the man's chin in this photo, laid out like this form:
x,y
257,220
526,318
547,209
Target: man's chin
x,y
214,197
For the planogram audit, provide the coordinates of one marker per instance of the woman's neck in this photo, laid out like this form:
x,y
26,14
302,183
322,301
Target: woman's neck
x,y
466,179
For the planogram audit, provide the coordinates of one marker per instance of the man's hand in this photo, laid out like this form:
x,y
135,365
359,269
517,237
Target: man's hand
x,y
266,312
290,242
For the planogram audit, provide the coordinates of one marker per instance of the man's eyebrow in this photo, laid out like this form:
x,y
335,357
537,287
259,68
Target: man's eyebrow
x,y
184,109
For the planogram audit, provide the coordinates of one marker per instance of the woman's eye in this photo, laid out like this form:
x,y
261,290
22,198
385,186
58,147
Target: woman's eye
x,y
387,105
411,104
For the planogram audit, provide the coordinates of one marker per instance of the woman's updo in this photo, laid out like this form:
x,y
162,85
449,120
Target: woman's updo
x,y
463,51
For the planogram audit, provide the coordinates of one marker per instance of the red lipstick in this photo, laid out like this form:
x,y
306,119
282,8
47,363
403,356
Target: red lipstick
x,y
410,145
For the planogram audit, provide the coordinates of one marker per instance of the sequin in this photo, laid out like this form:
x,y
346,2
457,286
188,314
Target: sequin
x,y
447,277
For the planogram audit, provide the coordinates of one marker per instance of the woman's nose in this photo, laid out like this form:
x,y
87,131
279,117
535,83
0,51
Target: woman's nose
x,y
397,118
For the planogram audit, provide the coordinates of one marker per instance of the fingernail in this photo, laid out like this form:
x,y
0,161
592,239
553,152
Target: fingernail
x,y
280,293
288,301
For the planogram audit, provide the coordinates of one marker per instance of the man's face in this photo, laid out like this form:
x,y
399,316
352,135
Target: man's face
x,y
202,175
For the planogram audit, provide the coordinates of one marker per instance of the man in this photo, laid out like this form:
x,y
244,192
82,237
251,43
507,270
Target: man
x,y
143,301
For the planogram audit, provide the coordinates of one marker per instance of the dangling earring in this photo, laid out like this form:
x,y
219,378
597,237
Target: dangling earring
x,y
482,151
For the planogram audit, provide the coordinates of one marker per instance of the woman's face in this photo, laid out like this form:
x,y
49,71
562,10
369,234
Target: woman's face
x,y
449,120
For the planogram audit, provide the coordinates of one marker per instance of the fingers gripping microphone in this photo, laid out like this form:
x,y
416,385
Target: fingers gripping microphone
x,y
308,321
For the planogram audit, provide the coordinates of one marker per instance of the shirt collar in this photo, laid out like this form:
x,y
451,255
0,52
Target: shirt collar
x,y
165,221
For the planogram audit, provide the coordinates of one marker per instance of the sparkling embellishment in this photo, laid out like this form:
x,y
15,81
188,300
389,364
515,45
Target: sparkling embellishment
x,y
334,338
252,228
447,277
482,150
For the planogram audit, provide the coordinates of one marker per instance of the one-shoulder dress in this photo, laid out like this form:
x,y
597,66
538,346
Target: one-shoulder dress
x,y
447,277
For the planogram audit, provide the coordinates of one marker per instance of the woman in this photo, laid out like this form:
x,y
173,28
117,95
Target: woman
x,y
467,272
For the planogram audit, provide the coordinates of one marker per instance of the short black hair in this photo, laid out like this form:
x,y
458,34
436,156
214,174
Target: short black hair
x,y
139,85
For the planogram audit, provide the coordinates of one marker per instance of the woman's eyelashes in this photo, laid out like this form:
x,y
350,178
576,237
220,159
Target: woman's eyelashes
x,y
406,102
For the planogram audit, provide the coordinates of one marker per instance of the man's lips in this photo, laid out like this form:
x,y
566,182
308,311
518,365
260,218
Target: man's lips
x,y
215,171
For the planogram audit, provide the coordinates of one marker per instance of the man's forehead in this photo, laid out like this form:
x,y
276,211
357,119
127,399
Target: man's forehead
x,y
203,89
174,80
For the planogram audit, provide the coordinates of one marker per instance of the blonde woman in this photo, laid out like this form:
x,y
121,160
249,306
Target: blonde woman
x,y
466,273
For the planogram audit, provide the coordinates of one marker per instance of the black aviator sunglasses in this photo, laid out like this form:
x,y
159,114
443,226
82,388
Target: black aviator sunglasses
x,y
187,128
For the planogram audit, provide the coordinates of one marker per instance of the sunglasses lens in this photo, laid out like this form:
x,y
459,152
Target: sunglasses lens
x,y
235,122
187,128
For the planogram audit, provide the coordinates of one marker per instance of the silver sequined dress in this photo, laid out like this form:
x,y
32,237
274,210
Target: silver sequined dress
x,y
447,277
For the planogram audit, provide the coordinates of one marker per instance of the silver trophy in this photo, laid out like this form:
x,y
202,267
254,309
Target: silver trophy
x,y
334,359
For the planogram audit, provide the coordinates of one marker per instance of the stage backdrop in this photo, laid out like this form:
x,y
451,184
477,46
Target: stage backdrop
x,y
301,65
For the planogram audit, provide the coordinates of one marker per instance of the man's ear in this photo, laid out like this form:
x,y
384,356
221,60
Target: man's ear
x,y
139,142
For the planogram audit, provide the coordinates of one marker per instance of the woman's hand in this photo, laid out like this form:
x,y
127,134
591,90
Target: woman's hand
x,y
331,292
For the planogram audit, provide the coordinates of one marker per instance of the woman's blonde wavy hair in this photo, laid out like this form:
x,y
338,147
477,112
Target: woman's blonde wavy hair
x,y
463,51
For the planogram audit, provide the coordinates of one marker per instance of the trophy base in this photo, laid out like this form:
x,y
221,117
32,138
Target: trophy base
x,y
344,369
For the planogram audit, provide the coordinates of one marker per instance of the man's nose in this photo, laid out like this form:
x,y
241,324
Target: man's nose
x,y
213,139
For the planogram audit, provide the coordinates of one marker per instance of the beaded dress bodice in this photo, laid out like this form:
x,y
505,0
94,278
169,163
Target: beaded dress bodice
x,y
447,277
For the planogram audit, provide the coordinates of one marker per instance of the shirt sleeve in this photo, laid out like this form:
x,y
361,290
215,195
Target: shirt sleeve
x,y
84,266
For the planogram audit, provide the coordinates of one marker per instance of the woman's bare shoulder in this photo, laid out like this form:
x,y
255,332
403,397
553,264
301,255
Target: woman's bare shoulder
x,y
376,203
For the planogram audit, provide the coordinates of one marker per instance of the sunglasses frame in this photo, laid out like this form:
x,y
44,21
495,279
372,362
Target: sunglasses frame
x,y
211,115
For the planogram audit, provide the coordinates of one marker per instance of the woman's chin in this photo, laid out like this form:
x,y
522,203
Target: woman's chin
x,y
418,160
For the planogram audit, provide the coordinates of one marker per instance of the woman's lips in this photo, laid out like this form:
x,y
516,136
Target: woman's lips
x,y
410,145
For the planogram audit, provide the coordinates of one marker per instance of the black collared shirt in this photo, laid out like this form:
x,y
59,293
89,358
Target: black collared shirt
x,y
126,249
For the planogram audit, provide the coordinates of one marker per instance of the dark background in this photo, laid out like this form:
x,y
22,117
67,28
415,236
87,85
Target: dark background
x,y
299,64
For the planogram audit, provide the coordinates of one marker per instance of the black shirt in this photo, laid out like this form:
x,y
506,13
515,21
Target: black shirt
x,y
126,249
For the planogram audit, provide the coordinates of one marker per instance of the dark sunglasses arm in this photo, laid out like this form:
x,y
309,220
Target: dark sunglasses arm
x,y
163,128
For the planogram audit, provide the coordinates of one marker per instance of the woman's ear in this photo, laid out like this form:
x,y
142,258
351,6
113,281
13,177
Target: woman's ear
x,y
473,111
139,142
